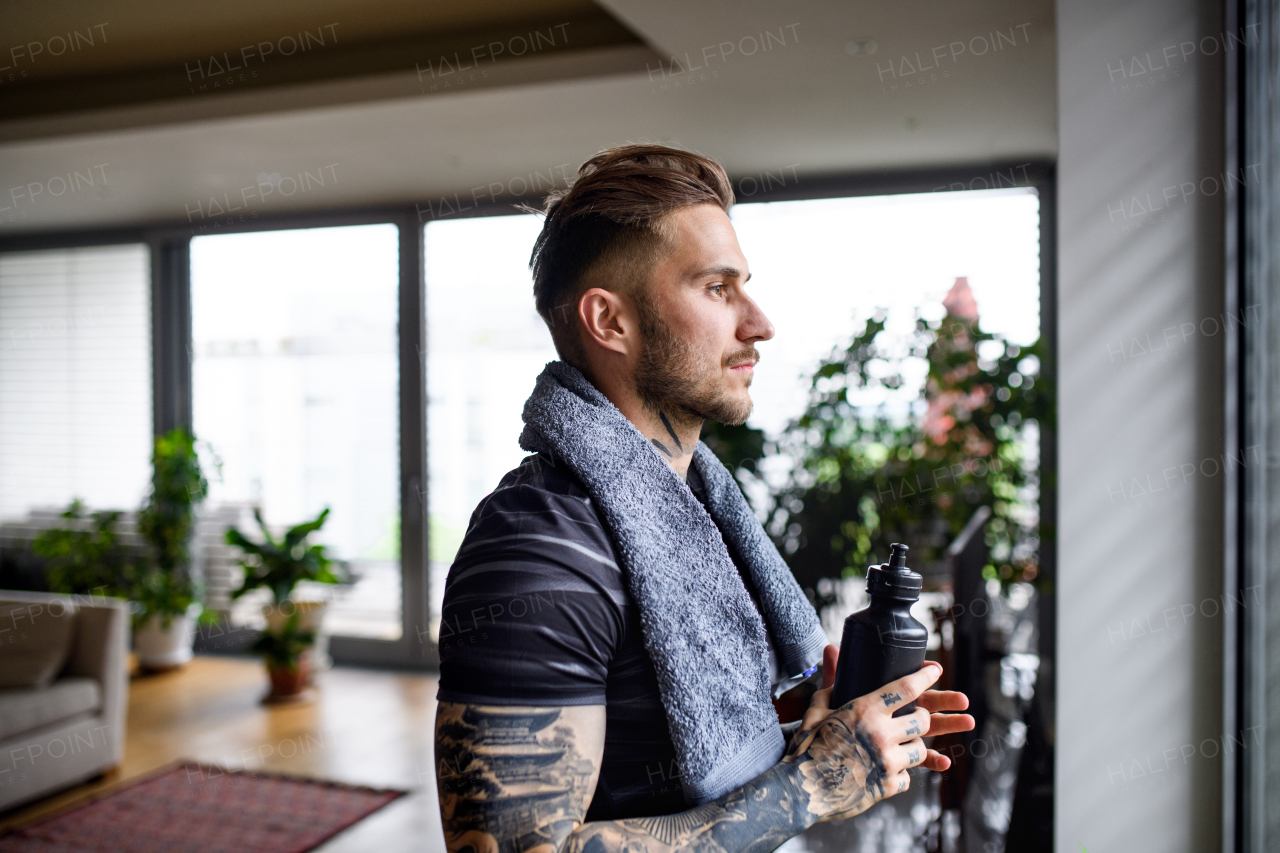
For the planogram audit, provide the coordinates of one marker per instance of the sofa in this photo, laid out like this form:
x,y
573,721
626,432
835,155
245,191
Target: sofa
x,y
64,686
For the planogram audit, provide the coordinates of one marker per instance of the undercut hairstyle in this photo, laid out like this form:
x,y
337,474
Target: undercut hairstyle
x,y
610,228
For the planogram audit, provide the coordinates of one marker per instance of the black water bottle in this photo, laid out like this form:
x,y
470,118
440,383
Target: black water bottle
x,y
882,642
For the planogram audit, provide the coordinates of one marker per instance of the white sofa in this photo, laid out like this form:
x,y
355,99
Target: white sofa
x,y
63,691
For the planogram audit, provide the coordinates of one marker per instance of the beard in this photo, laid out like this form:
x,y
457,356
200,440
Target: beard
x,y
673,377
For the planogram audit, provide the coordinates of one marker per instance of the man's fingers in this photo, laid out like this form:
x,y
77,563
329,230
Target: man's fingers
x,y
935,760
943,700
915,724
917,753
920,723
945,724
905,756
895,694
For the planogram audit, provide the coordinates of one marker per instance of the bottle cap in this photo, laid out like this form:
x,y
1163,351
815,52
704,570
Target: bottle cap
x,y
893,579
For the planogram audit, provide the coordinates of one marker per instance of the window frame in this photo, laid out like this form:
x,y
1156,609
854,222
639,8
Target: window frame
x,y
169,247
1251,278
171,355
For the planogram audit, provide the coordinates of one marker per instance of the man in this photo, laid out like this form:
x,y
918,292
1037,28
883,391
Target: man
x,y
616,620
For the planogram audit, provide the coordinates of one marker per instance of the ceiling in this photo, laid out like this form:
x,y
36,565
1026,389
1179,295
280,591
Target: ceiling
x,y
380,109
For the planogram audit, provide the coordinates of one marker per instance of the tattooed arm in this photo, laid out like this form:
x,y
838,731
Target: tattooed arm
x,y
513,780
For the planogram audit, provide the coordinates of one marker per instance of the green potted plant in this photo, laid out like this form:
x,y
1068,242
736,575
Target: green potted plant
x,y
164,591
279,565
86,557
285,654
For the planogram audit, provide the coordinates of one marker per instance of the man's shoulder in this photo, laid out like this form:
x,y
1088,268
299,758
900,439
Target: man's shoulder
x,y
538,508
535,606
536,487
541,472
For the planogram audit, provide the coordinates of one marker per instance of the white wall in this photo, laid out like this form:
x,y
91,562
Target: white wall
x,y
1140,567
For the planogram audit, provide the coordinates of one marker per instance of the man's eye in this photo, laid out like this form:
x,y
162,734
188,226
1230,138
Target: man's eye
x,y
717,288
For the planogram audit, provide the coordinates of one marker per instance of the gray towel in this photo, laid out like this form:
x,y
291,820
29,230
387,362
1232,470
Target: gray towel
x,y
701,629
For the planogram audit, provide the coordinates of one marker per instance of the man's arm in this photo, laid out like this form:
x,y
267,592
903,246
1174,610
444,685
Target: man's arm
x,y
520,779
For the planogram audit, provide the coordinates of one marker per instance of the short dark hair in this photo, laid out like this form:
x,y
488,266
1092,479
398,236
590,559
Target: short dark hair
x,y
612,215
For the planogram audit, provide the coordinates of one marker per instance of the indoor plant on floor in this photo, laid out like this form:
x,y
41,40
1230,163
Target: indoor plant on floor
x,y
285,654
164,589
288,642
89,556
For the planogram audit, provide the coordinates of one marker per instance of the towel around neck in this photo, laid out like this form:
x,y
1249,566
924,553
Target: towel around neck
x,y
705,636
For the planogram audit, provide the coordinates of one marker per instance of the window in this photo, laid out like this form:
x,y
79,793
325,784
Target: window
x,y
75,378
295,388
820,269
485,346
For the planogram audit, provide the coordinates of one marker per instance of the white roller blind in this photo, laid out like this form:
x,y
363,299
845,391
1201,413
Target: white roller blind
x,y
75,378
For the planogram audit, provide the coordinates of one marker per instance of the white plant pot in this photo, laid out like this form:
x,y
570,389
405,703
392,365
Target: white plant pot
x,y
310,618
160,647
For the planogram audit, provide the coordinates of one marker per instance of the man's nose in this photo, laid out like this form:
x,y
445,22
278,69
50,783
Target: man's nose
x,y
755,325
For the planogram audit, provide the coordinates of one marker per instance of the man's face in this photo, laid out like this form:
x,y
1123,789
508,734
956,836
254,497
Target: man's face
x,y
697,325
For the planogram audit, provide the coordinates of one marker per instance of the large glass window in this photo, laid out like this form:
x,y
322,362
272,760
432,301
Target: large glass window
x,y
295,388
75,378
938,270
820,268
485,346
925,265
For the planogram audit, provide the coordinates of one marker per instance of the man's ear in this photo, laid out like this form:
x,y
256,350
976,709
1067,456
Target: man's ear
x,y
607,319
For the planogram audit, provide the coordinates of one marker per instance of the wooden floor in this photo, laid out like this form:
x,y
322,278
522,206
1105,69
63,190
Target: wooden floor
x,y
364,727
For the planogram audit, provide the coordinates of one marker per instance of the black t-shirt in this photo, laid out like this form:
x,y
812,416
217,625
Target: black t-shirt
x,y
536,612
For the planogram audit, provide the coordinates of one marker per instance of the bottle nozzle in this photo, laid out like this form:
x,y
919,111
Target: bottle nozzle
x,y
893,578
898,557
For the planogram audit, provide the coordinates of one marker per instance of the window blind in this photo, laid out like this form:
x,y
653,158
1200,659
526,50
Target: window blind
x,y
75,378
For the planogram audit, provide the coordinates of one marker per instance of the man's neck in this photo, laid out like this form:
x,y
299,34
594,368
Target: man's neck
x,y
674,438
672,435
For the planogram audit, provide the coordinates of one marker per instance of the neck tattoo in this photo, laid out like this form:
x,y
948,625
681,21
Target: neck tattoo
x,y
671,432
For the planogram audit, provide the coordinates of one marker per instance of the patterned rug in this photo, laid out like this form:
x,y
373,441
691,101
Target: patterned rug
x,y
195,807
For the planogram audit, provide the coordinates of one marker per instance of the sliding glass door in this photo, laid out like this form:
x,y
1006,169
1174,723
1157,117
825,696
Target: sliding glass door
x,y
295,389
486,346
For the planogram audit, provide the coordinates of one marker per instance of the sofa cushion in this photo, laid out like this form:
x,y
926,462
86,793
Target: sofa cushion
x,y
35,639
32,708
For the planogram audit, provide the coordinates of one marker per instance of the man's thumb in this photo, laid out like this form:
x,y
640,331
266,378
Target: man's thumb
x,y
830,656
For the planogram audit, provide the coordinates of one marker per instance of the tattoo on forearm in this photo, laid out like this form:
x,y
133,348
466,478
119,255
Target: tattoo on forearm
x,y
890,698
519,780
755,818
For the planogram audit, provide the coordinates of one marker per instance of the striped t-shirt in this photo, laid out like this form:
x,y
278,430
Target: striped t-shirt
x,y
536,612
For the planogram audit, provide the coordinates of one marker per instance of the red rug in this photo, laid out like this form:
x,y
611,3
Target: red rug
x,y
194,807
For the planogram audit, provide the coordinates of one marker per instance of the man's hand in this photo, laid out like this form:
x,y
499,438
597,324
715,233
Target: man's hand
x,y
849,758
